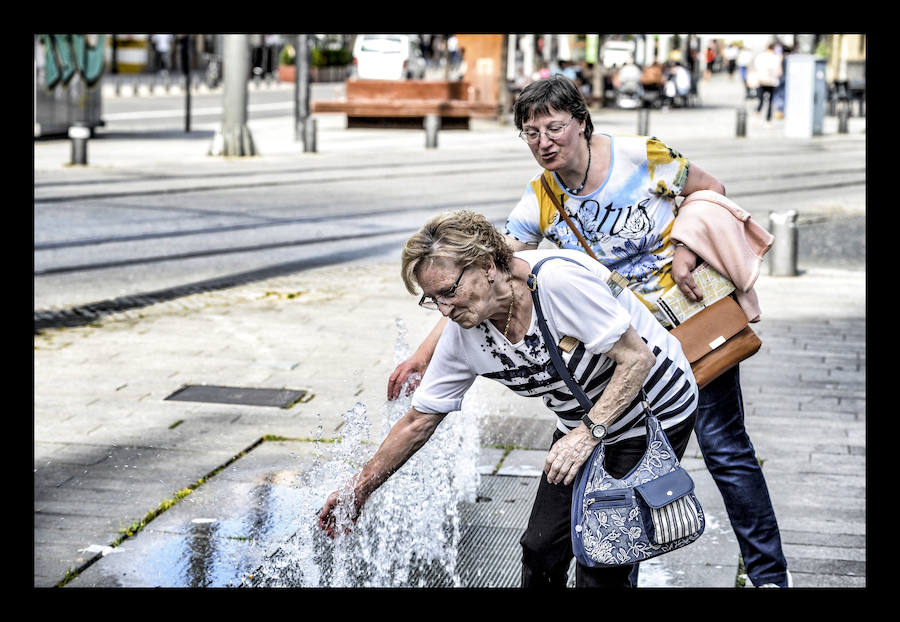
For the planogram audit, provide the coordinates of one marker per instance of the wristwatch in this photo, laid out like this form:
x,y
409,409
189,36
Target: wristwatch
x,y
598,430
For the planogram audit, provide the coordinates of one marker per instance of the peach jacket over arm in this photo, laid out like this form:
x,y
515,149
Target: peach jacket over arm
x,y
728,239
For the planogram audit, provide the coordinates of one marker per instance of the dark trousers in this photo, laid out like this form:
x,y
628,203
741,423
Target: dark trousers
x,y
768,92
546,543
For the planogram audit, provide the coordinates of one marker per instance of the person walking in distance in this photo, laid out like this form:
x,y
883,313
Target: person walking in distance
x,y
768,74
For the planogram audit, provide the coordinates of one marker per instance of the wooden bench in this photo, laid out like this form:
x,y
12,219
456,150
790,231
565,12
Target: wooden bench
x,y
406,103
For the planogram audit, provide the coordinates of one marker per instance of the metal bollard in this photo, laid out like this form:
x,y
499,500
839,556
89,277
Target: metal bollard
x,y
432,125
843,116
309,135
783,256
643,128
79,134
741,122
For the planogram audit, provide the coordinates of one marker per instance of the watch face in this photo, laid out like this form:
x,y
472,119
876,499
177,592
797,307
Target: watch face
x,y
598,431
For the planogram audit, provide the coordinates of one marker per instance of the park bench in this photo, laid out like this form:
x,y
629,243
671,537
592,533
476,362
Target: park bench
x,y
406,103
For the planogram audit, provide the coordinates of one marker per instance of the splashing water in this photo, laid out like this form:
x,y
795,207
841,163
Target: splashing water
x,y
407,534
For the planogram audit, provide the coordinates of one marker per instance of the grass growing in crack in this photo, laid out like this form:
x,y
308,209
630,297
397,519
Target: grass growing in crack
x,y
741,579
138,525
71,575
303,399
295,439
507,449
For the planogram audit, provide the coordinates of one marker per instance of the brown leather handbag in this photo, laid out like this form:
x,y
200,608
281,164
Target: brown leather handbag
x,y
714,340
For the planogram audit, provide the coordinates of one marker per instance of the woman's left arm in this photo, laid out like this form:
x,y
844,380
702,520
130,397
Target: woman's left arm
x,y
634,360
404,439
699,179
684,260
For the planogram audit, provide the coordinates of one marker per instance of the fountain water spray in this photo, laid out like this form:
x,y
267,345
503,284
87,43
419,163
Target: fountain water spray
x,y
409,530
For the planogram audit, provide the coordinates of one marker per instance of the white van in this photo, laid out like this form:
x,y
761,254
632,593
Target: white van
x,y
387,57
616,53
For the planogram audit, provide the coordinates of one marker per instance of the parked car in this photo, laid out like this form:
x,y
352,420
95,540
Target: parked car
x,y
387,57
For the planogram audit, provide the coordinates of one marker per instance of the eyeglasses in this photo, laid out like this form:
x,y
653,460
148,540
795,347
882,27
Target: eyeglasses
x,y
553,132
432,302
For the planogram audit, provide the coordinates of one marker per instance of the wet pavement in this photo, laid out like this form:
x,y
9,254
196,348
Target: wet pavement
x,y
225,490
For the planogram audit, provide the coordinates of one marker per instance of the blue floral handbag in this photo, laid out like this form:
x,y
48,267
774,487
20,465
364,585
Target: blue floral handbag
x,y
651,511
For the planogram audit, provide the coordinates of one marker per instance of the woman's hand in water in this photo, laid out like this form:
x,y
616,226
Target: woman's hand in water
x,y
326,515
329,514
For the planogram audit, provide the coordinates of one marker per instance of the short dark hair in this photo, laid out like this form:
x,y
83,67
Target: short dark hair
x,y
556,92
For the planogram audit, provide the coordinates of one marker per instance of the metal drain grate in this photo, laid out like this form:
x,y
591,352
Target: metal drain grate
x,y
489,552
279,398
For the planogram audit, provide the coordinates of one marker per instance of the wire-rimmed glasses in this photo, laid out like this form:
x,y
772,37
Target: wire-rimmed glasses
x,y
553,132
432,302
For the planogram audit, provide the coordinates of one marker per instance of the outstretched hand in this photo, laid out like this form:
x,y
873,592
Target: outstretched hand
x,y
328,515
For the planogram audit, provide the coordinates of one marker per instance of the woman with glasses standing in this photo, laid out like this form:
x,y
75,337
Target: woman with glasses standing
x,y
621,192
614,347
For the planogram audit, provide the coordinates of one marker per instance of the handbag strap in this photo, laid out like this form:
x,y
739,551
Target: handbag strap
x,y
560,365
562,212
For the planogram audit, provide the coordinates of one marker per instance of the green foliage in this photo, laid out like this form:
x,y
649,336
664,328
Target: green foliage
x,y
330,58
287,55
317,57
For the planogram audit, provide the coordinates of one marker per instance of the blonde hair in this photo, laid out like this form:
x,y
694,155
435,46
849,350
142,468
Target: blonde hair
x,y
463,236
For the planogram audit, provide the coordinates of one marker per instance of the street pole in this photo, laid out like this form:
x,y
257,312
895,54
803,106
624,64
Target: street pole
x,y
186,69
304,125
234,138
503,96
741,130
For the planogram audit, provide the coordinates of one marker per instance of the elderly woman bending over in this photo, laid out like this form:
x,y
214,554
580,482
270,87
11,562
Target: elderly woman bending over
x,y
467,272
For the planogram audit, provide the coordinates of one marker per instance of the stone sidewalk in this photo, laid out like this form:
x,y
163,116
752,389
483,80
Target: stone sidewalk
x,y
109,448
217,484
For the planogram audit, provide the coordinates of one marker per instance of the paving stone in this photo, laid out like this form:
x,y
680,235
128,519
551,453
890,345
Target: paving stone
x,y
99,405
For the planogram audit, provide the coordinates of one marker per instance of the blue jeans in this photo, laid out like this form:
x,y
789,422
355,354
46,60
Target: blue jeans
x,y
731,460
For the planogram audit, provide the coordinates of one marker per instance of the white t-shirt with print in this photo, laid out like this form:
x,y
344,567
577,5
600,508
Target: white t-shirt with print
x,y
627,221
577,303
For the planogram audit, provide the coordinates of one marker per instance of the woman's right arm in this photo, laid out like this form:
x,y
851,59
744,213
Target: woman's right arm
x,y
405,438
